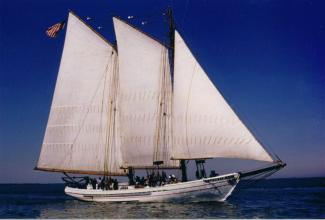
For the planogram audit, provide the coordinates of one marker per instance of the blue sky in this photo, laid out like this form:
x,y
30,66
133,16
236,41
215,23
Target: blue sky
x,y
266,57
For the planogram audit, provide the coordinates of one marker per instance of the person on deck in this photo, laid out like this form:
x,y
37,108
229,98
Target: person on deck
x,y
142,181
100,183
115,184
94,183
146,181
173,179
213,173
151,180
169,180
203,173
105,183
86,178
163,178
110,183
137,180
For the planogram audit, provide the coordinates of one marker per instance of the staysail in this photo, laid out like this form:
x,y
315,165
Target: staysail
x,y
82,130
204,124
145,98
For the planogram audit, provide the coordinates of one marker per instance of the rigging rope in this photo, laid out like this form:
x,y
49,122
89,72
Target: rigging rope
x,y
256,178
69,155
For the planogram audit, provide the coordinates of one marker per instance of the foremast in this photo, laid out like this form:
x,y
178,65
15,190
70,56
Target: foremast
x,y
171,50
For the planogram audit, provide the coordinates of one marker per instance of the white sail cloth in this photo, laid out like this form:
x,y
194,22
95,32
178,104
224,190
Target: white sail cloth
x,y
143,67
204,124
112,111
81,132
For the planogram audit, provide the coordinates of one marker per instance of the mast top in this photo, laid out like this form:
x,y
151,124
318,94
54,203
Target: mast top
x,y
171,24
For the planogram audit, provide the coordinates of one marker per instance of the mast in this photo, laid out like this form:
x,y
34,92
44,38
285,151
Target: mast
x,y
171,35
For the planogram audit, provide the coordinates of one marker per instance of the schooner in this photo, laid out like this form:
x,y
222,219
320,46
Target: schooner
x,y
141,104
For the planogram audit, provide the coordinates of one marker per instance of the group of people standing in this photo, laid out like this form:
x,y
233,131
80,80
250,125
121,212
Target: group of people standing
x,y
105,183
154,179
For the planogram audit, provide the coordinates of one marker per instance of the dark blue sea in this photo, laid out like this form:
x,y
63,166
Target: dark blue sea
x,y
273,198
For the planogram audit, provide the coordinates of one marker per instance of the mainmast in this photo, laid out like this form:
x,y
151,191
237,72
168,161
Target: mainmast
x,y
171,35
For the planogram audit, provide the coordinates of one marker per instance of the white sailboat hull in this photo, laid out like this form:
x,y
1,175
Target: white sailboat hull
x,y
207,189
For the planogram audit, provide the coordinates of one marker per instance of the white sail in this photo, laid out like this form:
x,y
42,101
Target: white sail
x,y
204,124
81,134
143,71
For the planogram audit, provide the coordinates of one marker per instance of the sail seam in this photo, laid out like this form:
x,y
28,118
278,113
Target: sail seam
x,y
84,118
187,110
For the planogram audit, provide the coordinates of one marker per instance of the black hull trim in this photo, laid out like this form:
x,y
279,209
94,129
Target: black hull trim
x,y
275,167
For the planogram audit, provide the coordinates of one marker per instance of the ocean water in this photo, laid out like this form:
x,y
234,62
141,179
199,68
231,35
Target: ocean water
x,y
274,198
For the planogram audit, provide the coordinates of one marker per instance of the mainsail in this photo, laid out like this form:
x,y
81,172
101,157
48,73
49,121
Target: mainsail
x,y
204,124
82,130
145,98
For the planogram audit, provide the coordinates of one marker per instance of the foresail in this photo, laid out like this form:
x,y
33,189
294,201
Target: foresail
x,y
204,124
145,98
81,135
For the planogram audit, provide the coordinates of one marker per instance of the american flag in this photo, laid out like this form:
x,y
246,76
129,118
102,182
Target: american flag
x,y
53,30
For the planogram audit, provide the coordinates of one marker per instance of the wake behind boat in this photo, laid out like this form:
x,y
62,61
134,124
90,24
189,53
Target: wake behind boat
x,y
142,104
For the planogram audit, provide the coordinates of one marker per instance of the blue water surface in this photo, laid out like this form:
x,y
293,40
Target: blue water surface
x,y
274,198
